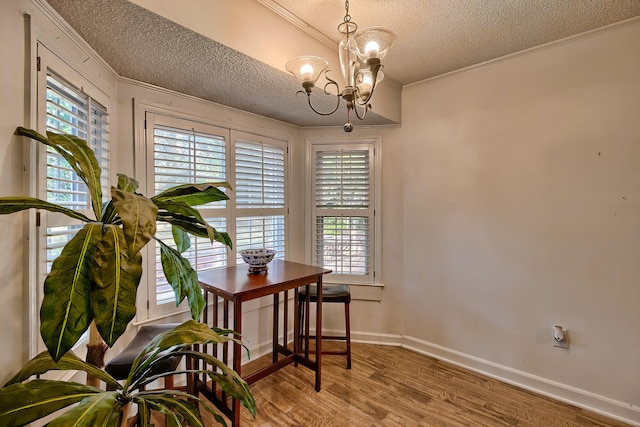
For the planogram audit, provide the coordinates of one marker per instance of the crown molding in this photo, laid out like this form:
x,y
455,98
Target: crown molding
x,y
298,22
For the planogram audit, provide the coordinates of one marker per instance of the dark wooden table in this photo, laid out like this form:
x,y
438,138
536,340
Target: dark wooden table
x,y
235,285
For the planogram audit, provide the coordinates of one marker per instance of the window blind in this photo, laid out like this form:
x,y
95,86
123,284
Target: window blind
x,y
342,179
343,211
260,196
259,175
71,111
183,156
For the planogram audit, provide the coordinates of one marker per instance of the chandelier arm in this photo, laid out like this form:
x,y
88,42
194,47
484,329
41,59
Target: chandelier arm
x,y
320,112
330,82
365,108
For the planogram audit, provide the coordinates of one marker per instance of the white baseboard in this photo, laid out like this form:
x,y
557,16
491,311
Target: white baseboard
x,y
621,411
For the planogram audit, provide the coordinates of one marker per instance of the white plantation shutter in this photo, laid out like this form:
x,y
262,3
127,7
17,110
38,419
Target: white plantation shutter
x,y
343,211
183,154
260,194
259,175
71,111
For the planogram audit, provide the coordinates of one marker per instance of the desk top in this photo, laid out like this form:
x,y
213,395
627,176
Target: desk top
x,y
235,283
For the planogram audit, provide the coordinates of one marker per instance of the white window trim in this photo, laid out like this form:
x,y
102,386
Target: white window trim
x,y
377,222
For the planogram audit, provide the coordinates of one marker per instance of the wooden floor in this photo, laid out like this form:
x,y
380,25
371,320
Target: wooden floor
x,y
390,386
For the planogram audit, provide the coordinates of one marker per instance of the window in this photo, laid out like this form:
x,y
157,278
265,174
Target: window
x,y
184,151
343,211
260,194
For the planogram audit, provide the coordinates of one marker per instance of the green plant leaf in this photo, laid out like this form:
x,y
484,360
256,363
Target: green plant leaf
x,y
115,280
182,278
189,413
138,217
229,379
80,157
21,404
66,312
130,185
193,227
186,212
43,363
99,410
172,419
186,334
194,194
10,205
181,238
144,413
126,183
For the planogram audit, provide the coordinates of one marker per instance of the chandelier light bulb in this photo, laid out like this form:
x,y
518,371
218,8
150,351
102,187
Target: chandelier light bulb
x,y
306,71
372,49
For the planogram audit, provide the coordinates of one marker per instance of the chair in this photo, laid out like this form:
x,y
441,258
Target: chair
x,y
330,294
120,366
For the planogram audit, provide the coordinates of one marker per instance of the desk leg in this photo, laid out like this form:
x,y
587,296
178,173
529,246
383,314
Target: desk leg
x,y
276,317
237,359
318,334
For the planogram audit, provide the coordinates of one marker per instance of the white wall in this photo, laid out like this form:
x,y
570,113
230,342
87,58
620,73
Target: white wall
x,y
12,71
522,211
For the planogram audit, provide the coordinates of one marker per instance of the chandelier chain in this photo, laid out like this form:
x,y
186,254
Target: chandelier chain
x,y
347,17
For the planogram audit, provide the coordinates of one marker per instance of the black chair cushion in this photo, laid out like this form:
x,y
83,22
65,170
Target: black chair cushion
x,y
120,365
337,293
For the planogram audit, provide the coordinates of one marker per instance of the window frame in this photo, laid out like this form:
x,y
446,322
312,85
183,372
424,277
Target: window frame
x,y
312,145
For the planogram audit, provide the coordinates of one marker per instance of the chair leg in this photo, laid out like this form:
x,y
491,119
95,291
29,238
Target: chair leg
x,y
298,329
168,382
348,333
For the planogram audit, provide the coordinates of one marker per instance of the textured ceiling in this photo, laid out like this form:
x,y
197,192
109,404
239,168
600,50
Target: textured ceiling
x,y
439,36
434,37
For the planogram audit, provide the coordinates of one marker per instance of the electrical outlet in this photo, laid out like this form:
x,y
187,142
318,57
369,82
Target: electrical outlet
x,y
560,337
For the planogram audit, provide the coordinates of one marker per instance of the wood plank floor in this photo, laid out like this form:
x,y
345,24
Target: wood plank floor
x,y
390,386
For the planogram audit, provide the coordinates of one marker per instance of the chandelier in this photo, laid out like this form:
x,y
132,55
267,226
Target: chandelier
x,y
360,54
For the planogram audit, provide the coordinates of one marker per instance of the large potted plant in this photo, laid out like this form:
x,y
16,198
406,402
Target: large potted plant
x,y
93,283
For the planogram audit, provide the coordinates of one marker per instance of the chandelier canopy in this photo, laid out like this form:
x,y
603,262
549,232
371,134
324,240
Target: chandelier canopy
x,y
360,53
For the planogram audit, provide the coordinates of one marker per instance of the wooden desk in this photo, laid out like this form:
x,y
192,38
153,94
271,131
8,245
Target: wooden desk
x,y
236,285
